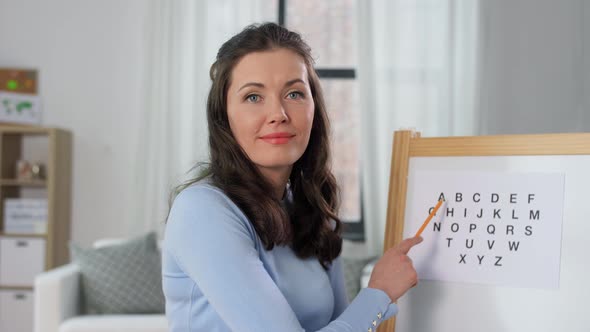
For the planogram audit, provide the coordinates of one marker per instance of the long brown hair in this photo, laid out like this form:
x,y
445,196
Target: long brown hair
x,y
310,226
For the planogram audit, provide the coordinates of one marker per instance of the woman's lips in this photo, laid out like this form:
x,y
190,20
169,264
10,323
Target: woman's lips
x,y
277,138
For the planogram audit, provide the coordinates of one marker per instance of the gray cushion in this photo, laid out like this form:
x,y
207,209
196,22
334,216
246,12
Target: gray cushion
x,y
122,279
353,268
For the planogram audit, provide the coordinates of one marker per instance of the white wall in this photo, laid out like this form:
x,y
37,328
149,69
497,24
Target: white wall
x,y
91,60
90,55
536,68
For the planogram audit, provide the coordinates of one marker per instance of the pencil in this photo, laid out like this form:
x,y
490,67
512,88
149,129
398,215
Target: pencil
x,y
429,217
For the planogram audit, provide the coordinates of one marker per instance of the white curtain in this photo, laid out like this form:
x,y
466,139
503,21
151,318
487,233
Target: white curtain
x,y
418,69
184,36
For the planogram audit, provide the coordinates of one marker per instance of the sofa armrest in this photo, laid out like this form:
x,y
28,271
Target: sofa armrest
x,y
366,273
57,297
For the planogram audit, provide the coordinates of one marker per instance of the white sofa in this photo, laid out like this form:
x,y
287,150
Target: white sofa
x,y
58,306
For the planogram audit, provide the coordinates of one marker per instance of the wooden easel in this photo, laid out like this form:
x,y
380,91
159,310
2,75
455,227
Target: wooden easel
x,y
408,144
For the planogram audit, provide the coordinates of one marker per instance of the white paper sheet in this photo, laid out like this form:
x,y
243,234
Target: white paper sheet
x,y
494,228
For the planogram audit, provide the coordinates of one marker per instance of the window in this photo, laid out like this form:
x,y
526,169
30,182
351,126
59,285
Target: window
x,y
330,27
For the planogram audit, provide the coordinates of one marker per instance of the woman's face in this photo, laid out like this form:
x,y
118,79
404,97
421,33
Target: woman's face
x,y
270,108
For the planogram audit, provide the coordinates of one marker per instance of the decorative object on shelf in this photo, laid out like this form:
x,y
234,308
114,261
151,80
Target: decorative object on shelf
x,y
38,171
19,101
20,108
24,170
18,80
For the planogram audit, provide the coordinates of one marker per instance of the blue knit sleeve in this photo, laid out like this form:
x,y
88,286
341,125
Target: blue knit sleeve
x,y
370,307
214,244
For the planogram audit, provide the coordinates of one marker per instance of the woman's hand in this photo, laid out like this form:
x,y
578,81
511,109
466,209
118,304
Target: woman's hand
x,y
394,272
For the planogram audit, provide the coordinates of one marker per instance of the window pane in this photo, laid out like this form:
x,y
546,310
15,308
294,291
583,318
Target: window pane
x,y
329,27
342,102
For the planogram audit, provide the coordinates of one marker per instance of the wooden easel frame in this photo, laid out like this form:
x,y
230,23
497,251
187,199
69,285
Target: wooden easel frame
x,y
407,144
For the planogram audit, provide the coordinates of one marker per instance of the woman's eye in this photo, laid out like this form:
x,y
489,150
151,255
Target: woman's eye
x,y
253,98
295,95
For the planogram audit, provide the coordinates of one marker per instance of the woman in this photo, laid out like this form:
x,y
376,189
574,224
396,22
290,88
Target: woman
x,y
254,243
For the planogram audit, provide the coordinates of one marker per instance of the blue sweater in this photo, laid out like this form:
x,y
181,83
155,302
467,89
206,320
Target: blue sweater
x,y
217,276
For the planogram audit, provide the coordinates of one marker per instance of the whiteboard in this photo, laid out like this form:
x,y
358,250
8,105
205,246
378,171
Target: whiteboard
x,y
455,307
